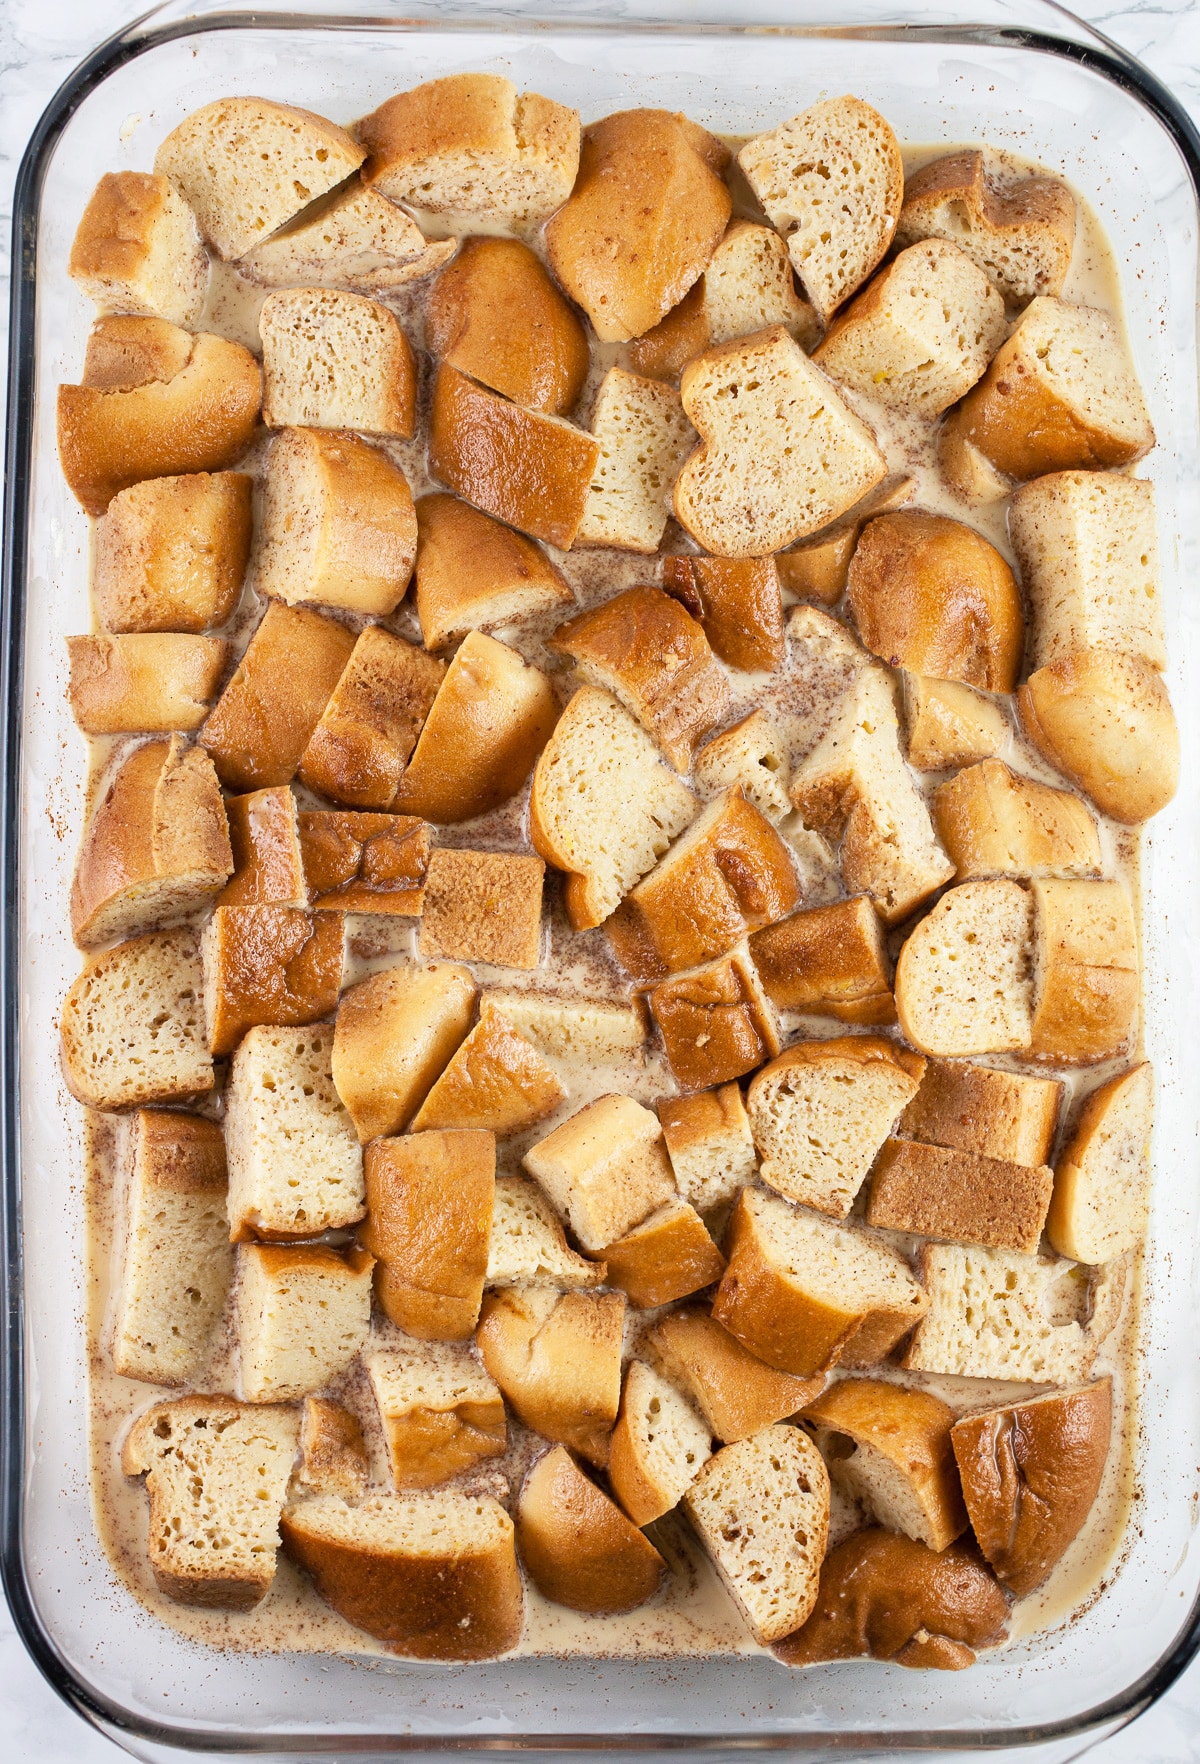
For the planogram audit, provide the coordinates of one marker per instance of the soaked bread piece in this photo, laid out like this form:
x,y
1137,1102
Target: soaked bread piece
x,y
137,249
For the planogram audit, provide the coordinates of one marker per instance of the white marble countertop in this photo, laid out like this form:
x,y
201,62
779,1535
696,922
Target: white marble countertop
x,y
40,41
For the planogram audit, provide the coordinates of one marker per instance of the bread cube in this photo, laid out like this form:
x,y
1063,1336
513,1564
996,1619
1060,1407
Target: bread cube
x,y
1021,233
750,755
1105,721
716,1021
992,1314
473,573
268,965
395,1034
1101,1200
333,360
964,982
133,1024
736,1393
738,604
368,729
993,822
578,1547
124,352
828,961
496,1081
980,1109
137,250
605,1169
429,1218
667,1257
949,724
333,1453
938,1192
528,1245
659,1446
557,1358
644,438
574,1028
901,1465
150,685
1086,979
709,1143
303,1312
483,906
171,553
358,863
264,834
353,239
441,1412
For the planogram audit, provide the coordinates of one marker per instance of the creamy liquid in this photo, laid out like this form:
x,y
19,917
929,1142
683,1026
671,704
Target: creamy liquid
x,y
692,1614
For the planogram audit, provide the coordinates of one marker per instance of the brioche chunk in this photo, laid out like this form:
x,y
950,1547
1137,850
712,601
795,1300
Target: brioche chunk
x,y
338,526
1105,721
950,725
963,981
761,1508
1085,983
395,1033
137,250
577,1546
303,1312
939,1192
920,335
353,238
1022,233
133,1024
441,1413
605,1169
993,822
472,144
666,1257
710,1146
333,1452
335,361
817,568
295,1169
171,553
496,1081
124,352
828,961
429,1217
156,848
803,1293
268,965
832,182
557,1358
735,1392
1088,549
738,604
978,1109
648,209
644,438
364,863
493,715
750,755
263,720
659,1446
821,1111
151,685
996,1315
574,1028
483,906
716,1021
890,1448
176,1261
368,730
217,1475
780,454
931,595
604,808
474,574
1102,1185
264,834
529,1246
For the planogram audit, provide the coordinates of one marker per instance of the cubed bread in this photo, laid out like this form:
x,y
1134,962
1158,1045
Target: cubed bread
x,y
441,1413
135,418
483,906
493,715
268,965
1086,976
156,848
964,979
647,211
710,1146
889,1448
738,604
262,722
217,1474
603,808
525,467
1087,544
993,1314
1101,1198
982,1109
295,1169
667,1257
751,755
578,1547
495,314
1105,721
369,727
133,1024
170,553
780,454
1061,395
803,1293
994,822
716,1021
434,1577
1021,231
303,1312
736,1393
890,1597
832,181
152,684
931,595
828,961
761,1509
937,1191
472,144
644,438
248,165
949,724
659,1445
352,238
557,1358
605,1169
820,1112
356,863
136,249
920,334
429,1219
268,865
333,1452
333,360
1031,1472
589,1029
529,1246
176,1263
395,1034
337,526
474,574
497,1081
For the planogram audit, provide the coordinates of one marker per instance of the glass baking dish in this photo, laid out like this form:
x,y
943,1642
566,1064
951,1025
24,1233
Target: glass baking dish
x,y
1015,73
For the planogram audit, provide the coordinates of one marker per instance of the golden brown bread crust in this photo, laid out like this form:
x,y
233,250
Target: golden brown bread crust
x,y
182,1153
369,727
1038,206
496,1081
473,572
1086,980
495,314
939,1192
483,906
995,822
124,351
557,1358
578,1547
264,837
429,1218
359,863
427,1446
1030,1475
738,603
171,552
333,1452
662,352
829,960
269,965
111,240
978,1109
666,1257
395,1032
146,683
737,1393
715,1021
817,568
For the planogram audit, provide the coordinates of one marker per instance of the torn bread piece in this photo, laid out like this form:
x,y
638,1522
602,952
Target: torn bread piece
x,y
828,961
890,1448
751,755
716,1021
669,1256
353,239
395,1034
474,574
137,249
736,1393
429,1219
949,724
1105,721
817,568
364,863
993,1314
333,360
133,1024
333,1452
171,552
557,1358
1086,983
710,1145
578,1547
1101,1201
593,1030
368,729
269,965
738,603
496,1080
483,906
528,1244
264,835
937,1191
994,822
1020,232
982,1109
604,1170
659,1446
964,979
441,1413
303,1313
158,683
643,438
